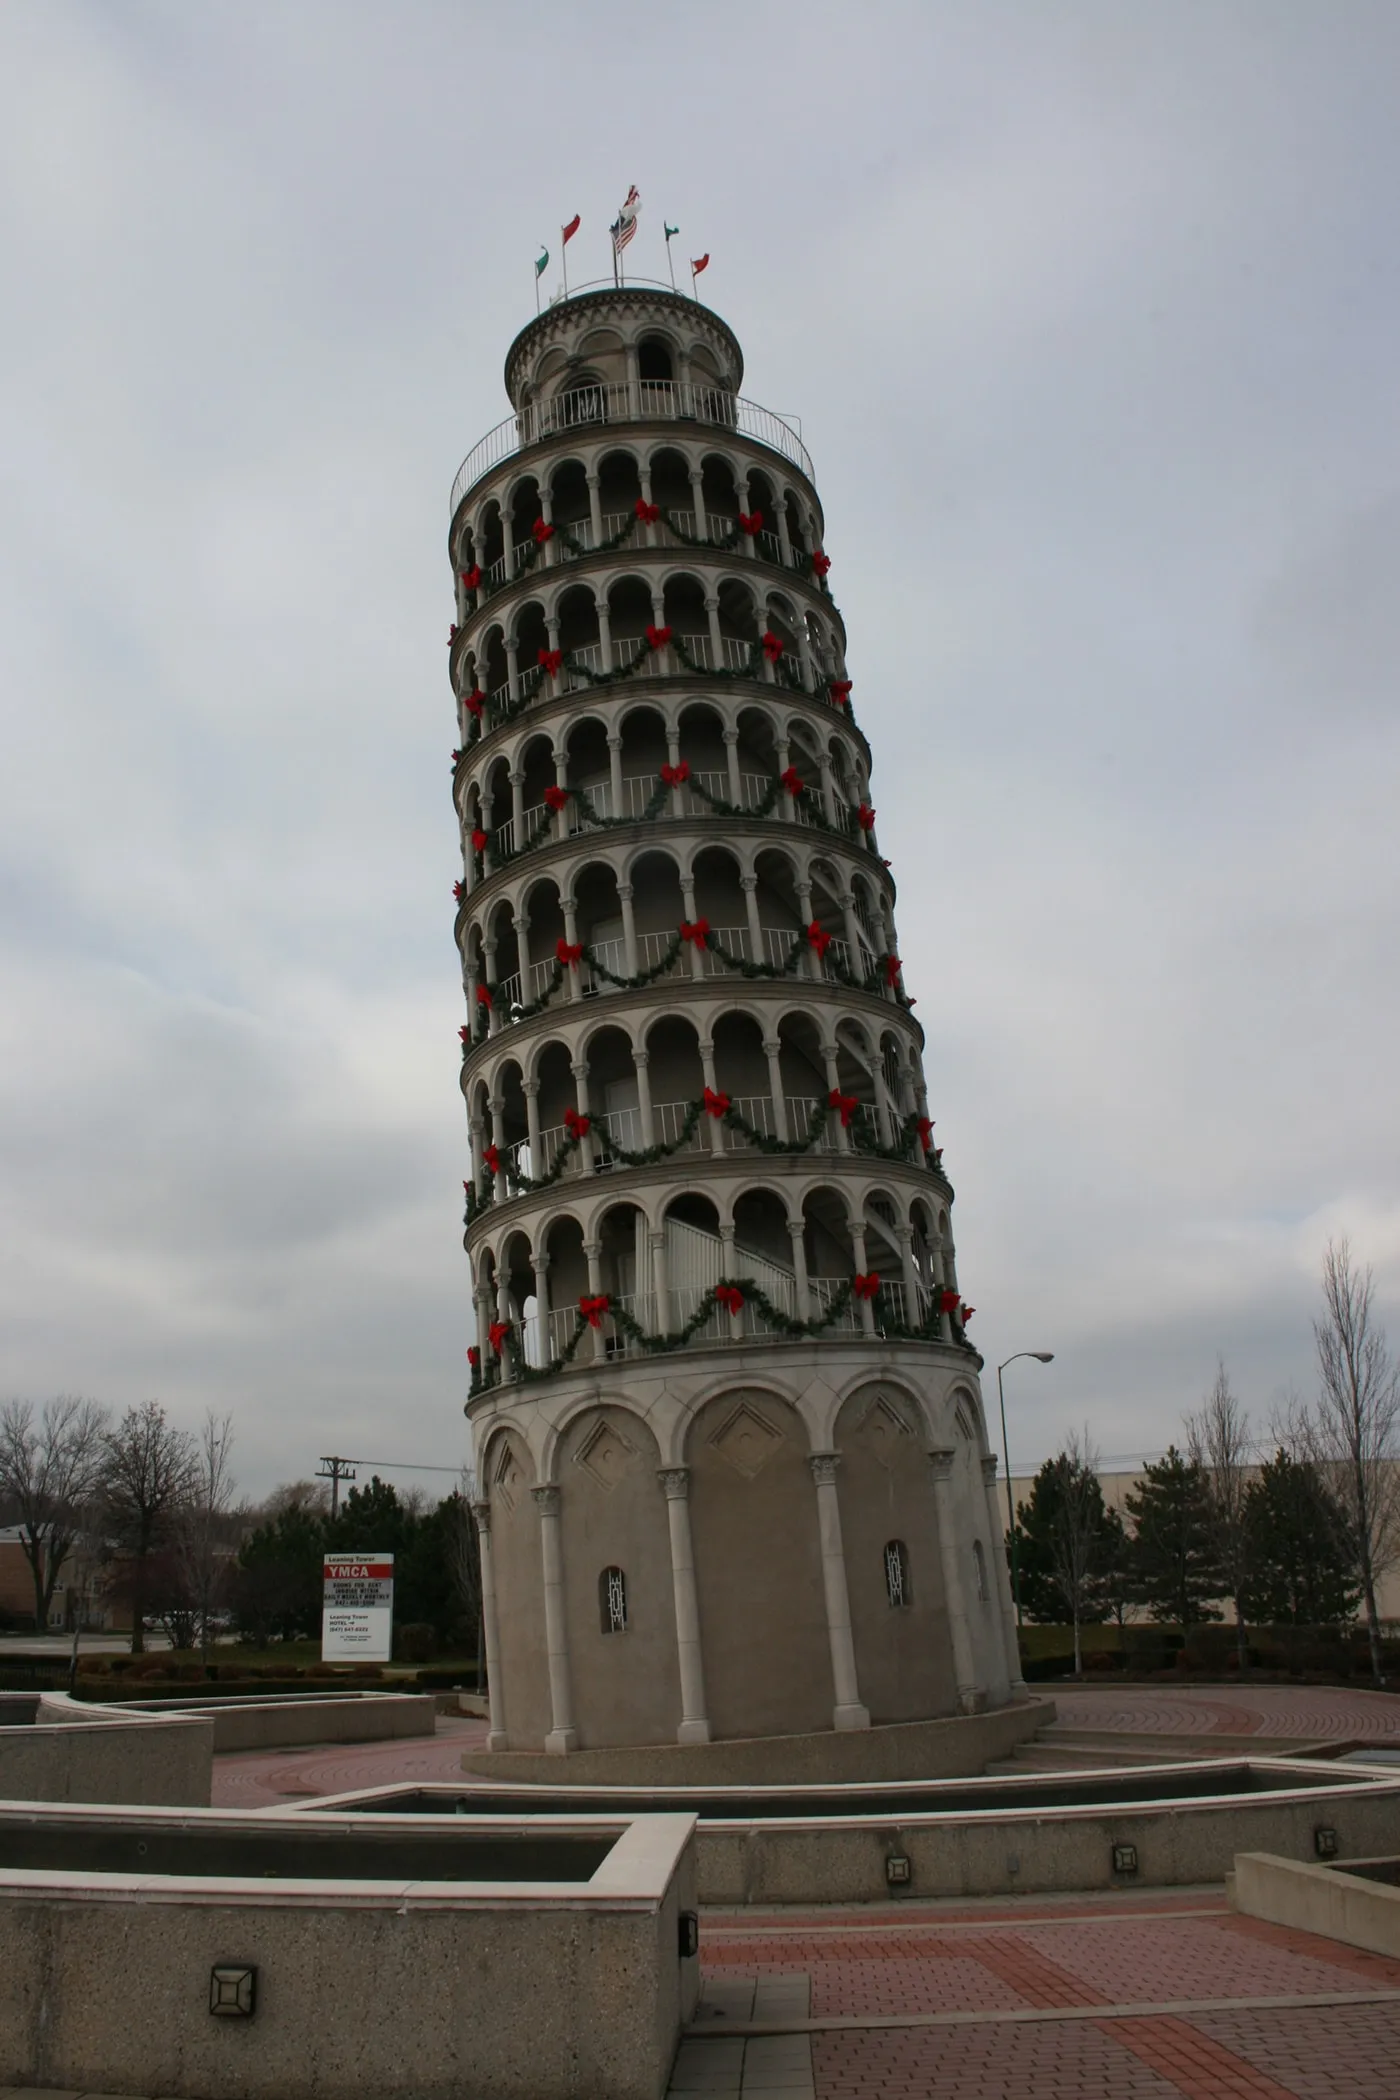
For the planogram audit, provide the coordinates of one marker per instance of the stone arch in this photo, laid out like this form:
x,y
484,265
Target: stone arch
x,y
758,1566
904,1657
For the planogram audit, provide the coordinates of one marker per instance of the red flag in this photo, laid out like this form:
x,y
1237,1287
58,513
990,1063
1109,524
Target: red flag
x,y
703,264
570,230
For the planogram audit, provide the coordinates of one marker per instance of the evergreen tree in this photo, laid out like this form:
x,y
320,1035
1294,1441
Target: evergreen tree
x,y
1176,1571
1064,1544
1300,1557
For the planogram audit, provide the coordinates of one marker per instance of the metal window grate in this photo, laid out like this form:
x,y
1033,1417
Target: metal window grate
x,y
897,1574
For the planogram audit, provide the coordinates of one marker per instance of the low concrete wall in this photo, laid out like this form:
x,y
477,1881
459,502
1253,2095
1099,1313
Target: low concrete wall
x,y
365,1989
71,1752
1314,1898
279,1724
946,1749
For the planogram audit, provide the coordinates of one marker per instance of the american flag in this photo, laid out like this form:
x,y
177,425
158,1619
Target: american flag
x,y
625,224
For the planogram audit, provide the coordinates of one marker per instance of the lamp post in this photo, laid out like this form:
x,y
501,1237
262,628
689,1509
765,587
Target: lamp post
x,y
1042,1356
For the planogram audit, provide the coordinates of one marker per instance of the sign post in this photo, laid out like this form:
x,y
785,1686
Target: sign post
x,y
357,1608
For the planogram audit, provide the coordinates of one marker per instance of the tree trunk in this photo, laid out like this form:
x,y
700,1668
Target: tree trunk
x,y
138,1604
1241,1638
1078,1653
34,1553
1373,1623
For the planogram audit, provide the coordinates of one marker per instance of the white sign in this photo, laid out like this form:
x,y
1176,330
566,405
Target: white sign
x,y
357,1608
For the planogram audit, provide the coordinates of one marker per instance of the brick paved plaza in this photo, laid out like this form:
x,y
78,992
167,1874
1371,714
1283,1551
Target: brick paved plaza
x,y
1152,1996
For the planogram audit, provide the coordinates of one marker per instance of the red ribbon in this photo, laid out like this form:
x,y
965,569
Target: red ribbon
x,y
497,1332
593,1309
483,995
794,783
676,776
555,798
568,952
965,1313
657,637
845,1105
457,891
924,1126
451,635
551,662
751,522
577,1126
457,758
840,691
730,1297
647,512
893,966
772,646
947,1301
818,937
938,1149
474,1357
697,930
475,702
716,1104
865,817
466,1035
821,562
491,1159
866,1286
478,840
471,577
542,532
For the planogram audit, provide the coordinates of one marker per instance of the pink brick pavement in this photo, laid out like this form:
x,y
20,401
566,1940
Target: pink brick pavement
x,y
262,1778
1305,1711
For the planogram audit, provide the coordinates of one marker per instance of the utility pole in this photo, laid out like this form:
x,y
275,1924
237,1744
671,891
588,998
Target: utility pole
x,y
335,1470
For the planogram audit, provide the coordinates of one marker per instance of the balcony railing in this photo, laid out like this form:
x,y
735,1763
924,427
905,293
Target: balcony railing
x,y
622,401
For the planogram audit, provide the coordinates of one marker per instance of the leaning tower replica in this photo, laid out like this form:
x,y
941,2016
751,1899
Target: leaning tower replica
x,y
734,1471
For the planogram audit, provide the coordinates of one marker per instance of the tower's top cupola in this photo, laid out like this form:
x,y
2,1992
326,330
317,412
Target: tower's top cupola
x,y
643,334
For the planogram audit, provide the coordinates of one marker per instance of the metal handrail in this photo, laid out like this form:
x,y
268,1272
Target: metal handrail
x,y
628,401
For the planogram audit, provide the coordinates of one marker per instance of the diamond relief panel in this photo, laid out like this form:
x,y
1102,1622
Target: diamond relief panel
x,y
746,1440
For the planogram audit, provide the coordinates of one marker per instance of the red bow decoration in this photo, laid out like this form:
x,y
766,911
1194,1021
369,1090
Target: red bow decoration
x,y
457,891
568,952
716,1104
648,513
483,994
577,1126
965,1313
478,840
866,1286
924,1126
772,646
457,758
475,702
840,691
751,522
845,1105
947,1301
555,798
471,577
451,636
551,662
497,1332
474,1357
466,1035
792,780
938,1149
730,1297
697,930
542,532
491,1159
818,937
676,776
865,817
821,562
657,637
593,1309
893,966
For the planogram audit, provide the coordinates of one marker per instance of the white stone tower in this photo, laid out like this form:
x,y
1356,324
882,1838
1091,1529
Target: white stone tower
x,y
734,1467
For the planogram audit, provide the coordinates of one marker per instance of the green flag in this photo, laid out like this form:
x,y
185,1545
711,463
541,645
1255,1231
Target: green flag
x,y
542,265
671,231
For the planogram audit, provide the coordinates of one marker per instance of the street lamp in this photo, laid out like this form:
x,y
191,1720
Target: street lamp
x,y
1042,1356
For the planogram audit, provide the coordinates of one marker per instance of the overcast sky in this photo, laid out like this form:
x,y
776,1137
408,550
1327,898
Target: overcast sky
x,y
1089,313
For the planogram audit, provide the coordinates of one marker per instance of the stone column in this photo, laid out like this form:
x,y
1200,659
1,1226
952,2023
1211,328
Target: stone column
x,y
840,1136
1000,1574
629,929
913,1310
731,765
605,641
749,885
573,977
712,1124
593,1255
865,1311
531,1090
695,1726
697,502
716,637
595,508
498,1138
563,1735
561,779
772,1050
495,1690
848,1712
540,1265
803,1290
641,1065
579,1068
972,1697
660,1280
517,805
615,773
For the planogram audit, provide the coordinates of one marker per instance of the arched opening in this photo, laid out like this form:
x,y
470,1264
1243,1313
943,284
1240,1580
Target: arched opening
x,y
656,368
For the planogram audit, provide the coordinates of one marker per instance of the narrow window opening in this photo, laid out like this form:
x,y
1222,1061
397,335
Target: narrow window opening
x,y
654,360
612,1600
897,1574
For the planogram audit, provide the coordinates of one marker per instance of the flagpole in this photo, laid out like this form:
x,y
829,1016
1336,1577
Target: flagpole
x,y
669,263
564,258
537,293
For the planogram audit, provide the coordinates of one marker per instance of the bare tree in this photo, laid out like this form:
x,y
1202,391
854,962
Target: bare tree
x,y
1218,1441
49,1469
1076,1530
148,1476
1350,1433
201,1541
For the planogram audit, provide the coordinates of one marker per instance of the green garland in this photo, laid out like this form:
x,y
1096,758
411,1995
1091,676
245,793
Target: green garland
x,y
617,539
700,539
